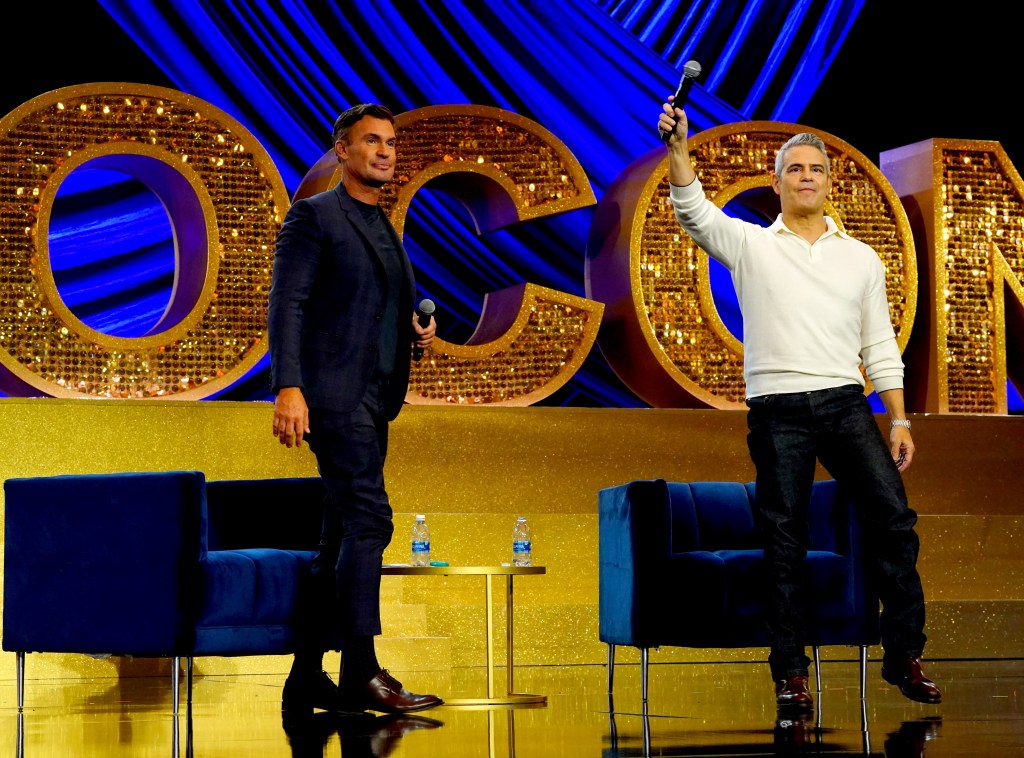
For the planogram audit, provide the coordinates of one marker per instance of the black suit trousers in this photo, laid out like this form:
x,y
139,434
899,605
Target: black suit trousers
x,y
350,449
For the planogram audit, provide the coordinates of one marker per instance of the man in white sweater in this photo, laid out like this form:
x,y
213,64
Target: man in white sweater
x,y
814,310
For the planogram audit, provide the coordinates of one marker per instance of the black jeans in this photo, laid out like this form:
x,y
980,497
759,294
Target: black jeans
x,y
787,434
350,449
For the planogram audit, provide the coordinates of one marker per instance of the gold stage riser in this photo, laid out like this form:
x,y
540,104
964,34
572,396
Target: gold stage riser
x,y
473,470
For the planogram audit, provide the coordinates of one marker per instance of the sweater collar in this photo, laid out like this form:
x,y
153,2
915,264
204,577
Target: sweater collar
x,y
830,228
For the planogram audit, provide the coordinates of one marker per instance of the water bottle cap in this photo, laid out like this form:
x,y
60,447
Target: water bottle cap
x,y
420,517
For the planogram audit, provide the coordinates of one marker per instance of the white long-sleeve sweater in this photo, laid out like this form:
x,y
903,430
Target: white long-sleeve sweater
x,y
811,312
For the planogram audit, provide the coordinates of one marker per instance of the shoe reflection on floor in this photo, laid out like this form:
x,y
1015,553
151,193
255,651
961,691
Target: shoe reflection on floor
x,y
795,727
362,735
309,734
909,740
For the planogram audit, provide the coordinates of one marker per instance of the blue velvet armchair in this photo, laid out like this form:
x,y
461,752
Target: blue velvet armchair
x,y
680,565
156,565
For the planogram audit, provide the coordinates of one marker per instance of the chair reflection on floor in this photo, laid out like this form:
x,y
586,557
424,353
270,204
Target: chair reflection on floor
x,y
613,730
176,734
106,703
795,731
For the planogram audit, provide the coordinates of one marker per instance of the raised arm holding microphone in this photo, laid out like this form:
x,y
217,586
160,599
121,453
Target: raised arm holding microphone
x,y
341,329
814,310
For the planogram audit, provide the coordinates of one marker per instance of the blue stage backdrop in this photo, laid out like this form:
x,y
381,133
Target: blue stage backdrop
x,y
593,72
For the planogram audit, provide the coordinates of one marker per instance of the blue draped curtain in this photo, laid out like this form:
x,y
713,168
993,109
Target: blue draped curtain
x,y
593,72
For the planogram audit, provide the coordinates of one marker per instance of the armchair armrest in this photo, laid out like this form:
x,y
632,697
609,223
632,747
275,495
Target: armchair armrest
x,y
103,563
634,539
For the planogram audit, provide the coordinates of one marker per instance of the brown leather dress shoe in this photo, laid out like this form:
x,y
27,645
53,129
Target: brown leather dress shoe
x,y
385,693
908,675
793,692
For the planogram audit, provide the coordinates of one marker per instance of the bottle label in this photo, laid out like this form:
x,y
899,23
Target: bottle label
x,y
421,546
520,546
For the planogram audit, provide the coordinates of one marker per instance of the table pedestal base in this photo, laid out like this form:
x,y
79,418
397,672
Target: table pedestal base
x,y
488,572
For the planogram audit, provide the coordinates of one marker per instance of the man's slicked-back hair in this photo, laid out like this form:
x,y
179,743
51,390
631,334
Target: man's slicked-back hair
x,y
803,138
356,113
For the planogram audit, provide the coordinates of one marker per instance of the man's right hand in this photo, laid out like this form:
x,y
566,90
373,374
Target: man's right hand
x,y
673,120
291,416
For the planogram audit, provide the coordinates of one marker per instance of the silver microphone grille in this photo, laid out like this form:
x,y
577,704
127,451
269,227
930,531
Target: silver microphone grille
x,y
691,70
426,307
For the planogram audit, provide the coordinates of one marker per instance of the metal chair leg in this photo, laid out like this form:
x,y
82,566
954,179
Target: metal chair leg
x,y
863,671
175,690
613,729
611,668
19,665
188,683
817,668
865,733
19,740
645,656
646,730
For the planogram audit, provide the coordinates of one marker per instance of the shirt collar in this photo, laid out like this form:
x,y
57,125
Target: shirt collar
x,y
830,228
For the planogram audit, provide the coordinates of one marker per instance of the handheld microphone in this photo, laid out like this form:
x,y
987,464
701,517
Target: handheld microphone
x,y
423,313
690,72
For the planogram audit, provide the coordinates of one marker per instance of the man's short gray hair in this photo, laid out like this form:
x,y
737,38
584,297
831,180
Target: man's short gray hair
x,y
803,138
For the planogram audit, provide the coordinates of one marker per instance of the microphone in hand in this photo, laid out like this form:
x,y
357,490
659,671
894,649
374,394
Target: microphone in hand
x,y
691,71
423,313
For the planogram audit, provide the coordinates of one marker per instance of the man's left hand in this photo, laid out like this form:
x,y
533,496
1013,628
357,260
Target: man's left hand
x,y
901,445
424,334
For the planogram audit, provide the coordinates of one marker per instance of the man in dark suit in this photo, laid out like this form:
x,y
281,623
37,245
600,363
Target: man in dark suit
x,y
341,327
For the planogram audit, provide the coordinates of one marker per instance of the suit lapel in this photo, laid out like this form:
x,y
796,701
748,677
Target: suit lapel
x,y
349,208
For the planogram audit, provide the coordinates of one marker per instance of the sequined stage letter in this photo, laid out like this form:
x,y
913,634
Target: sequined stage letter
x,y
968,200
225,201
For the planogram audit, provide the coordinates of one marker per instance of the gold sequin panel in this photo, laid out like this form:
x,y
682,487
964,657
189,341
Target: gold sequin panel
x,y
224,197
978,249
548,336
968,200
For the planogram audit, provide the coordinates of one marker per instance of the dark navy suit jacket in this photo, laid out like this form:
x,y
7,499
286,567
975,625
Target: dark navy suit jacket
x,y
327,300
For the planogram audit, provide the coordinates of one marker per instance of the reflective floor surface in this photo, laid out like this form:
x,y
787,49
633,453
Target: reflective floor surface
x,y
722,709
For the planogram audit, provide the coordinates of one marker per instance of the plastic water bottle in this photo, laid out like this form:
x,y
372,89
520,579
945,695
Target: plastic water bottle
x,y
420,555
521,544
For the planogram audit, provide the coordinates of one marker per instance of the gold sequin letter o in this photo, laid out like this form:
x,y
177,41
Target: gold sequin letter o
x,y
224,197
506,169
663,335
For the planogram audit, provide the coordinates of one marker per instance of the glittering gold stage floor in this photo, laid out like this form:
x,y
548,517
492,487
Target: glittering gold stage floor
x,y
722,709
